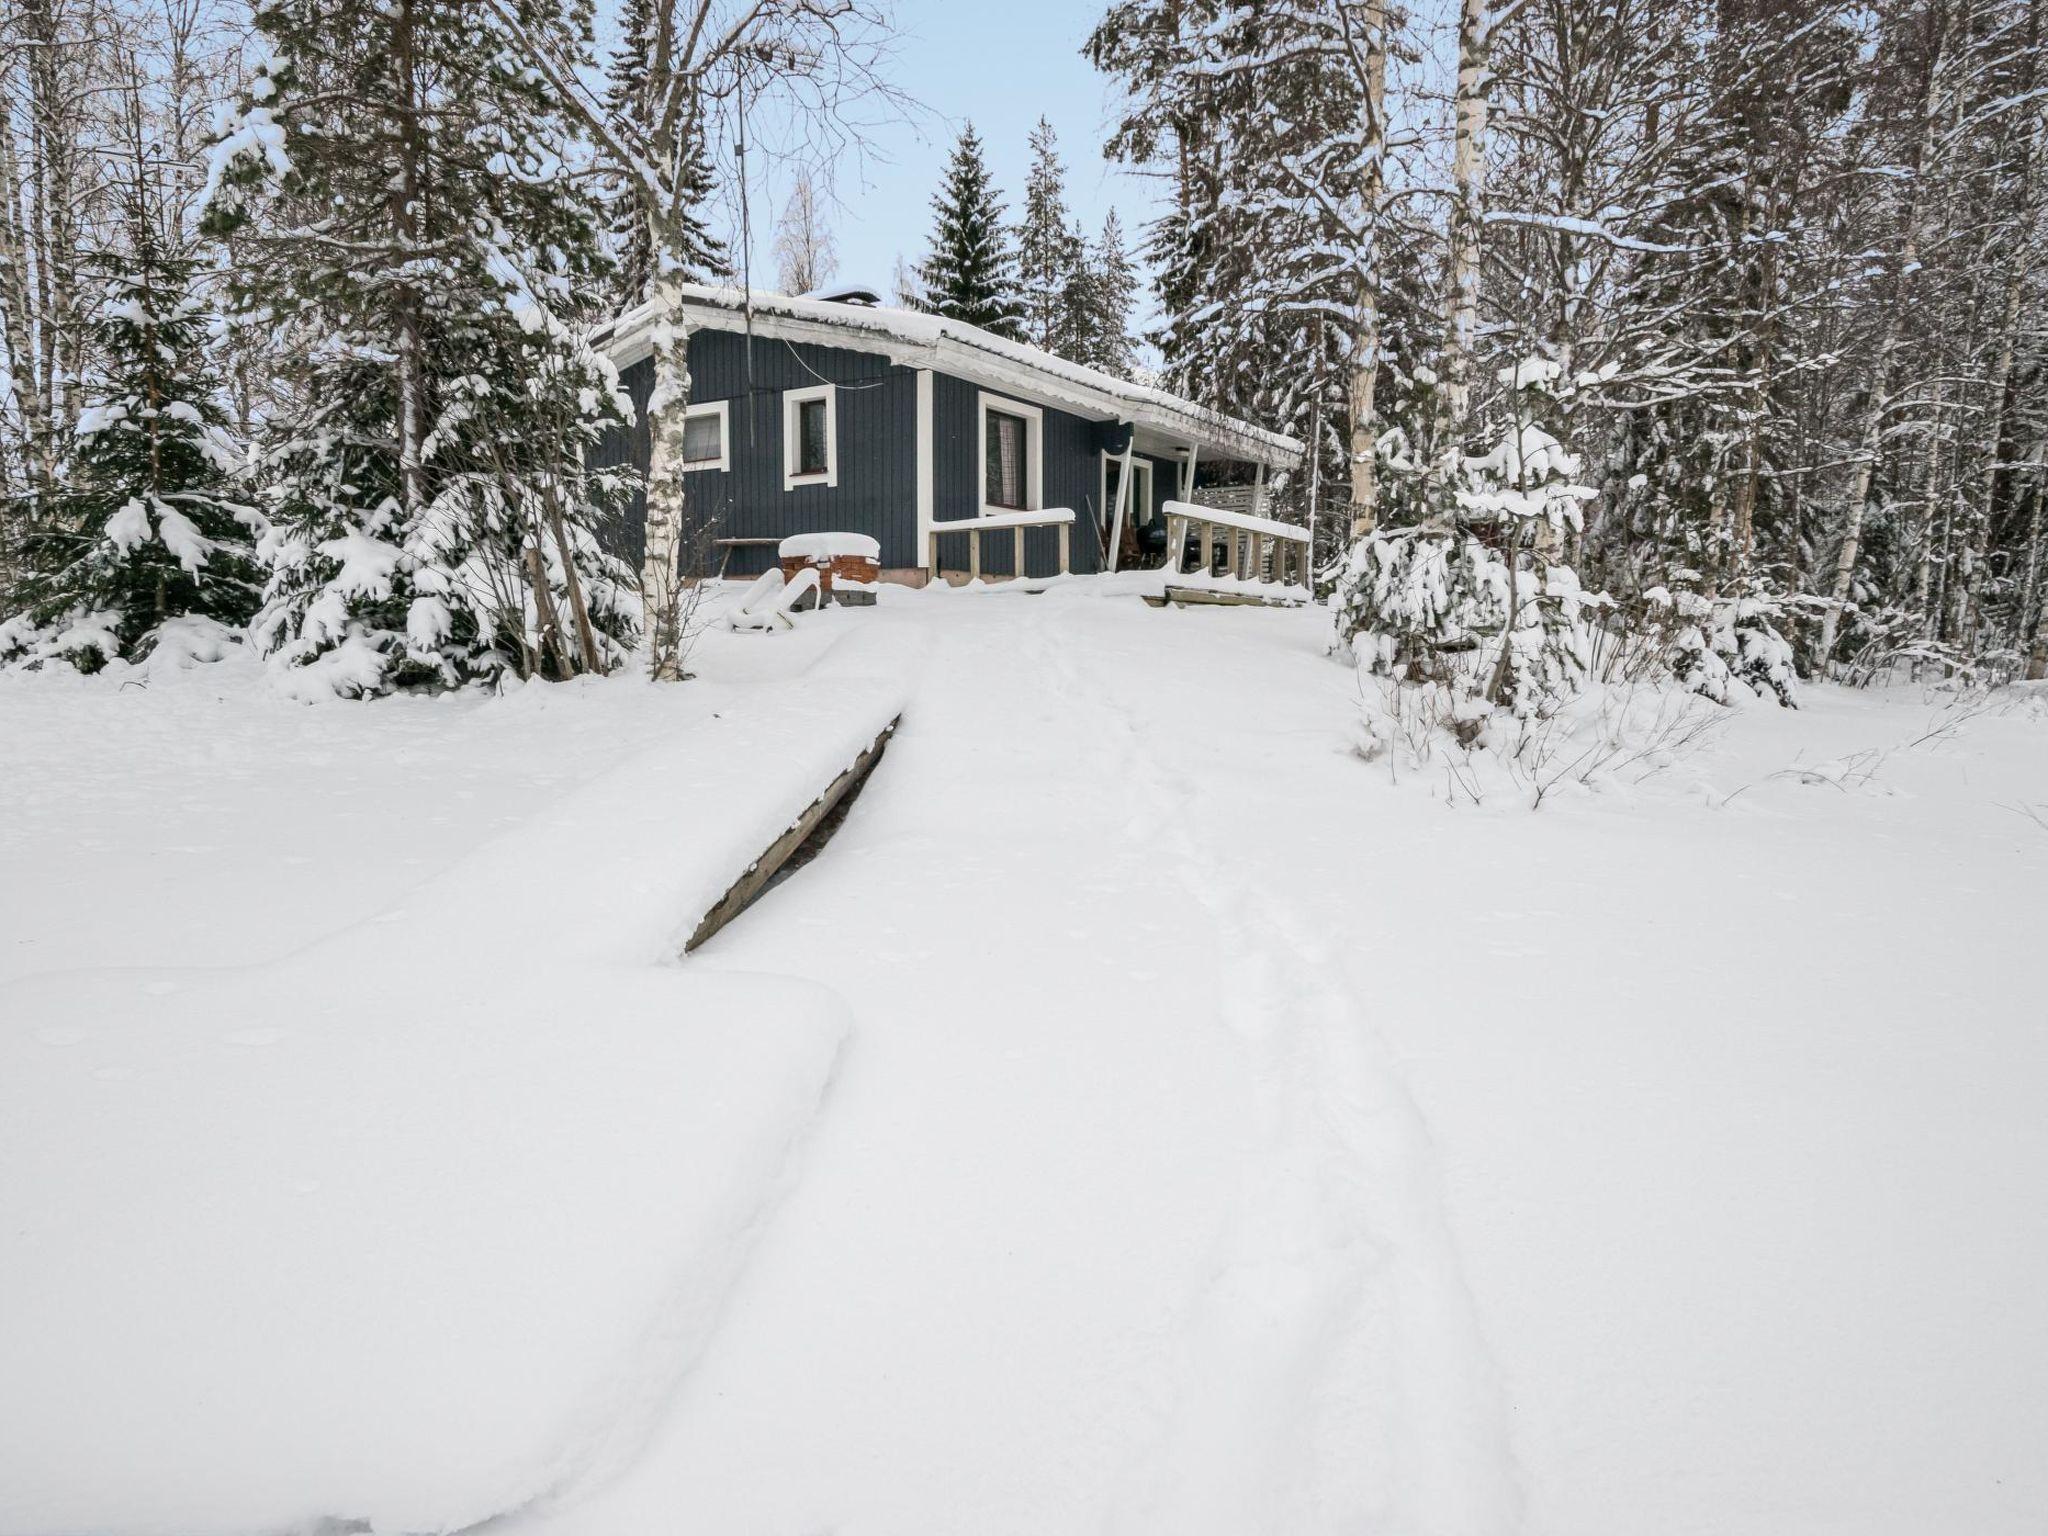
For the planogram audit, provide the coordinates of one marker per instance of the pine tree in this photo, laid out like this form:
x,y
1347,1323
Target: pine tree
x,y
971,272
145,536
1050,255
420,264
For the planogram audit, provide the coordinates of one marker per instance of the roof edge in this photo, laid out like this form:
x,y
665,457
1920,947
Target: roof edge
x,y
952,346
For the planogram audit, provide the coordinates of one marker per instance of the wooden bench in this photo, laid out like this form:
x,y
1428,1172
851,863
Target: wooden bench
x,y
727,546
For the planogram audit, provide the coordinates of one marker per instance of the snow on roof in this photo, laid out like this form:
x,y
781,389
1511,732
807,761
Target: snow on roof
x,y
953,346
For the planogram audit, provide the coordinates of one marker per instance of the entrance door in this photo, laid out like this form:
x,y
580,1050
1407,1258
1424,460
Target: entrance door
x,y
1137,516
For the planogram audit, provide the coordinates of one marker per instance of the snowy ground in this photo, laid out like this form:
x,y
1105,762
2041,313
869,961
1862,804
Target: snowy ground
x,y
1196,1129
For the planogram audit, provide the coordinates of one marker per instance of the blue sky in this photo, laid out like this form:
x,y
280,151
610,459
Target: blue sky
x,y
1001,65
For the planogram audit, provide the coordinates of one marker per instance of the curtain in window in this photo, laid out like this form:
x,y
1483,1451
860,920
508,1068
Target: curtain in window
x,y
1005,486
700,438
810,427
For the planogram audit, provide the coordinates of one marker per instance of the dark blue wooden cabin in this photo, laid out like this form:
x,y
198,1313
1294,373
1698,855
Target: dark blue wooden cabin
x,y
810,415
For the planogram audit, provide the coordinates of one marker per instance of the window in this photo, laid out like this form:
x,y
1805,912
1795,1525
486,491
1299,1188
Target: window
x,y
810,437
810,431
1012,444
1007,436
705,438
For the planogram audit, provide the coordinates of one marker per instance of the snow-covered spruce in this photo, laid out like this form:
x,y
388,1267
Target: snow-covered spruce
x,y
1499,618
147,536
433,516
971,273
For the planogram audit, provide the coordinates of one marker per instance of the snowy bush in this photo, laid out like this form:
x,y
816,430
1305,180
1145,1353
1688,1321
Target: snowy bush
x,y
1716,645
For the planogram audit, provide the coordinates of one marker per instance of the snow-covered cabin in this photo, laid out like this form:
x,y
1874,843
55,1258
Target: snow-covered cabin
x,y
837,414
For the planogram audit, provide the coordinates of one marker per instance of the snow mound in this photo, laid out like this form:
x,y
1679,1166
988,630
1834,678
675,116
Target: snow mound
x,y
427,1220
830,546
295,1242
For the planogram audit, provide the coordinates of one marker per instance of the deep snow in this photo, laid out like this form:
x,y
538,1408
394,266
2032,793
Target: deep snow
x,y
1228,1133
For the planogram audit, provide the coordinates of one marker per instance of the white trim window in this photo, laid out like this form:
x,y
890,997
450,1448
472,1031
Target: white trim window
x,y
1010,450
810,436
707,446
1140,509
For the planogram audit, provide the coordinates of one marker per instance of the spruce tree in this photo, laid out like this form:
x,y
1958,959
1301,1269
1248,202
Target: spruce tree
x,y
144,534
392,173
971,274
1111,291
1049,253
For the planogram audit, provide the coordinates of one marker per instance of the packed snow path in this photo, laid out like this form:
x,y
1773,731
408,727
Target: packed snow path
x,y
1117,1205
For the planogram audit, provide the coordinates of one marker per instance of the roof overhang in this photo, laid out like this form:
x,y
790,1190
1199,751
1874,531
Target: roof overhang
x,y
967,352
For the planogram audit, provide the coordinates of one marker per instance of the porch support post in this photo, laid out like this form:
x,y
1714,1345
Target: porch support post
x,y
926,538
1123,496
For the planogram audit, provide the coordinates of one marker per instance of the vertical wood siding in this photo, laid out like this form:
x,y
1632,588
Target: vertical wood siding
x,y
876,418
877,452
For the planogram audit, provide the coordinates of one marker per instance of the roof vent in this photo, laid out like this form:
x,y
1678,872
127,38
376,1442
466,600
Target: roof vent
x,y
847,293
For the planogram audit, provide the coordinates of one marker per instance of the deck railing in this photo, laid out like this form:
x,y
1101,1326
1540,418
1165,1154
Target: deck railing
x,y
1249,500
1014,523
1253,548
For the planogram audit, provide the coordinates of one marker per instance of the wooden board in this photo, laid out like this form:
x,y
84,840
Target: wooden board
x,y
1180,597
762,870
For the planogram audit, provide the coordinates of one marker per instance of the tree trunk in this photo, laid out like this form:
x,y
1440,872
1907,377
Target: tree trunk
x,y
2037,657
660,575
1468,181
405,203
1880,403
1365,341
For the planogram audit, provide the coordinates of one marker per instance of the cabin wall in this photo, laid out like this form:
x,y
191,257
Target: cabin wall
x,y
877,441
1070,477
876,410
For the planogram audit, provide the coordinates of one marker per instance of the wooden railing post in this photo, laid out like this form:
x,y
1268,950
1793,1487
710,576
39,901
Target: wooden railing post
x,y
933,563
1017,557
1066,547
1208,548
974,554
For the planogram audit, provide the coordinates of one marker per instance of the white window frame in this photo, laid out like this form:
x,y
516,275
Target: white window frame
x,y
1141,473
724,460
792,401
1034,453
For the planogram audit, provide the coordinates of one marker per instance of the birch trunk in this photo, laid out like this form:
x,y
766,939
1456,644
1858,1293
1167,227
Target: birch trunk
x,y
405,198
660,573
1881,392
2037,657
1365,342
1468,181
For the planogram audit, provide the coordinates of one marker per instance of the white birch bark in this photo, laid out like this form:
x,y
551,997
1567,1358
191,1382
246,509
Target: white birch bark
x,y
1468,213
1880,403
660,570
1365,341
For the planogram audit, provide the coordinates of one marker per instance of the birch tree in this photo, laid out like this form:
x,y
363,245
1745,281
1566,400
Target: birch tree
x,y
812,62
